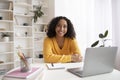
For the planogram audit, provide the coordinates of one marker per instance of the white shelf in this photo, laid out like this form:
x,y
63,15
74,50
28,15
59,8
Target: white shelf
x,y
23,42
7,21
23,15
7,31
10,42
42,23
26,48
7,51
6,0
14,19
7,63
24,37
38,51
40,28
19,26
4,53
38,60
39,32
6,10
21,4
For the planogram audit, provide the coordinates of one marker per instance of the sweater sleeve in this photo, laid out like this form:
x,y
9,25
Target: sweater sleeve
x,y
74,47
51,57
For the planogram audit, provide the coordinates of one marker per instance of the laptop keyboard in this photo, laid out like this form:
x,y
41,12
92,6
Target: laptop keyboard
x,y
79,72
76,71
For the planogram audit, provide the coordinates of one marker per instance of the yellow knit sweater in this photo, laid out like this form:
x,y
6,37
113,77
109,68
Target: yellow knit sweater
x,y
52,53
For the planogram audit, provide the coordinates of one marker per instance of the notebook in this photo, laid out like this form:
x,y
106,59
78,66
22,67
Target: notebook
x,y
97,61
52,66
16,73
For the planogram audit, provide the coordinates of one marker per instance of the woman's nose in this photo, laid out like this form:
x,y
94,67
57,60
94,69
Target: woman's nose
x,y
61,28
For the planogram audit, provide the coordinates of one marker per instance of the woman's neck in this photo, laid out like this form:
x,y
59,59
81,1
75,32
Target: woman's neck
x,y
59,38
60,41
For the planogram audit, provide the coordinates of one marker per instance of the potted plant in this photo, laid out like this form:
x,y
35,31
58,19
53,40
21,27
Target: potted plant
x,y
102,39
5,37
37,13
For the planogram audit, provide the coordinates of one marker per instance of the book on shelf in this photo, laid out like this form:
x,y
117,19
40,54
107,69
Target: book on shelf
x,y
16,74
11,6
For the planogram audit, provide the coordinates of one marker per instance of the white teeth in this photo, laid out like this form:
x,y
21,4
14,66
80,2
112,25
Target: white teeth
x,y
60,32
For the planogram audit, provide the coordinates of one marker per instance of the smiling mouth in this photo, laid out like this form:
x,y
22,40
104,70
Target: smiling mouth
x,y
61,32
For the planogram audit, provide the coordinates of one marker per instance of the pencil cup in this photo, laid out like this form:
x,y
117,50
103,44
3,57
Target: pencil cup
x,y
25,65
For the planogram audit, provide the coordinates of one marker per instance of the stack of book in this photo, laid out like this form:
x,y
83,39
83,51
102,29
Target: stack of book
x,y
16,74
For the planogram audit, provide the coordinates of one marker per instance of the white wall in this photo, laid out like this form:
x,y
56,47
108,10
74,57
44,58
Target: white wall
x,y
51,9
89,17
116,28
62,10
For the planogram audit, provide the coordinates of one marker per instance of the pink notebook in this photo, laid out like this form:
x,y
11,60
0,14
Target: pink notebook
x,y
17,74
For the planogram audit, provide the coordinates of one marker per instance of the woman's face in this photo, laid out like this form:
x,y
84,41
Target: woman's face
x,y
61,28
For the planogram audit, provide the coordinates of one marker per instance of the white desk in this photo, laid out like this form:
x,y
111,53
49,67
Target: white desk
x,y
63,74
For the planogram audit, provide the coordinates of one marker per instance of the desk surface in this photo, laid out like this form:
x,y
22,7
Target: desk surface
x,y
63,74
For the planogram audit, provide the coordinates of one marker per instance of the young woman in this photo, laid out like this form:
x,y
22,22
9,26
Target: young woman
x,y
60,45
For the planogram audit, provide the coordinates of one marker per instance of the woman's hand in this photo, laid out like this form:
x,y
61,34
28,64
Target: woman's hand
x,y
76,58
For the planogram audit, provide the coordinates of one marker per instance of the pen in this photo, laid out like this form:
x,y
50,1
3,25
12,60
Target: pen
x,y
52,64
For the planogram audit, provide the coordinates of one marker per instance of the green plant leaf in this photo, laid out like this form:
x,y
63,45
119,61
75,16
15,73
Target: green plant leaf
x,y
37,13
106,33
101,35
95,43
5,34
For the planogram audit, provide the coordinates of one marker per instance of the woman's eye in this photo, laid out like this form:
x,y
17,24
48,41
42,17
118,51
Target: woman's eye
x,y
65,26
58,25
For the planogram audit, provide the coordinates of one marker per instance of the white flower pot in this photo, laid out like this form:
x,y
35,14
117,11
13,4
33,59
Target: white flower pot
x,y
6,39
39,20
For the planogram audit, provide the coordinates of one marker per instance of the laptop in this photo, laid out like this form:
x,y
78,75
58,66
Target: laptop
x,y
97,61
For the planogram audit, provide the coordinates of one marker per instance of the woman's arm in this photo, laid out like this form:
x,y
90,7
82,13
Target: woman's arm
x,y
76,56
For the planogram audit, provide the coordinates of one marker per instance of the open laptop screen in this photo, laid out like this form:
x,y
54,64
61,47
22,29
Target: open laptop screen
x,y
98,60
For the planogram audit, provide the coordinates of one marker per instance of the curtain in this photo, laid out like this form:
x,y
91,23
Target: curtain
x,y
89,17
116,28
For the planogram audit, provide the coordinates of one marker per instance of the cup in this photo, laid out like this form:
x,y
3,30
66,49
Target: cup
x,y
25,65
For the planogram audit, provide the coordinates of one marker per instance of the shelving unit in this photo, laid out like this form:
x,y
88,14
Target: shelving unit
x,y
40,28
6,26
16,19
23,37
